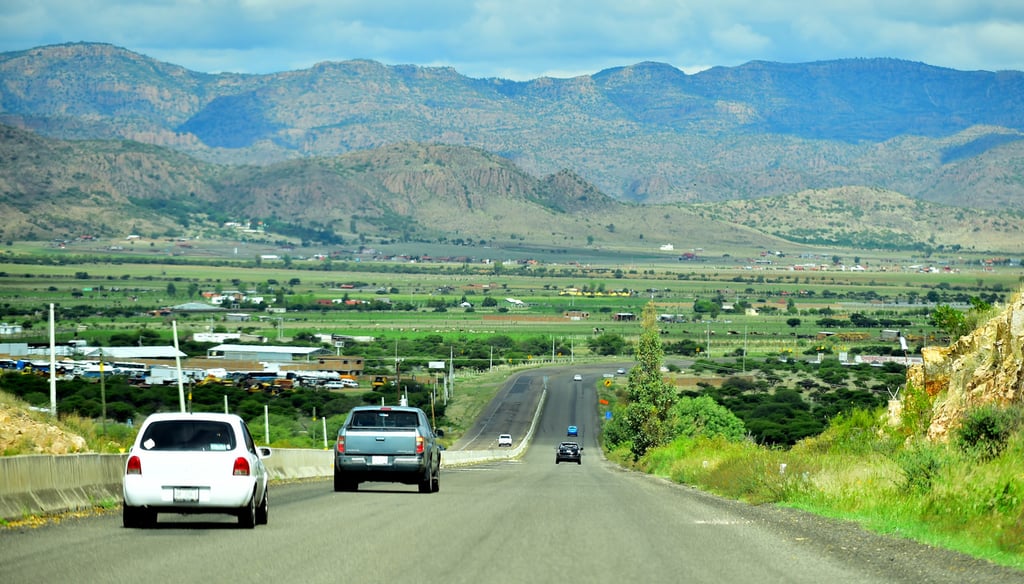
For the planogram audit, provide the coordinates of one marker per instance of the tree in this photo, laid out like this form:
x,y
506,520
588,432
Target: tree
x,y
649,397
793,322
709,307
703,416
949,320
608,344
172,290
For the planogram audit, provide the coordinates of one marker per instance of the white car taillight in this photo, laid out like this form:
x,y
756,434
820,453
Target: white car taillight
x,y
241,467
134,466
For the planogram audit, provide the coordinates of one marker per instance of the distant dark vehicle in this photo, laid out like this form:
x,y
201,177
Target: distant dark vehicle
x,y
572,431
569,452
389,444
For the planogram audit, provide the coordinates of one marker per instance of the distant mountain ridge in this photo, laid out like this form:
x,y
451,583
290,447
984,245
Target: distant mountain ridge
x,y
645,133
435,193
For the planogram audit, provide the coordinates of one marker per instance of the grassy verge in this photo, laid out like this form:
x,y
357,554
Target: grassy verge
x,y
473,392
861,470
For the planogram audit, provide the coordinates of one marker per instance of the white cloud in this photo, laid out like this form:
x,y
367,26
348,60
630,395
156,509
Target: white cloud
x,y
527,38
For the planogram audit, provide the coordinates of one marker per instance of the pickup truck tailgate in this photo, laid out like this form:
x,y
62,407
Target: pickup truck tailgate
x,y
380,441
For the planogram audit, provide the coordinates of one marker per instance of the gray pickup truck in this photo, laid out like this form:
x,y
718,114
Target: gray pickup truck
x,y
388,444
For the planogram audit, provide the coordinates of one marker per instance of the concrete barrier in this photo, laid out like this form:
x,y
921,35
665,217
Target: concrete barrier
x,y
43,484
451,458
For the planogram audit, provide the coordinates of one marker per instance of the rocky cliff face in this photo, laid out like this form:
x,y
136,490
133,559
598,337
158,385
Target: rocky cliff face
x,y
985,366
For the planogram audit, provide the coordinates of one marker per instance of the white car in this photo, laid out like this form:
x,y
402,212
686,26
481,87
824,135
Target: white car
x,y
342,383
505,440
577,377
195,463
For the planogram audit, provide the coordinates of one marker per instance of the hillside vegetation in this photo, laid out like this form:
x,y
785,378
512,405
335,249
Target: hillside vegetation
x,y
871,218
435,193
643,132
941,464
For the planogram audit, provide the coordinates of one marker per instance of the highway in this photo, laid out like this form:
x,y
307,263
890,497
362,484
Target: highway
x,y
521,521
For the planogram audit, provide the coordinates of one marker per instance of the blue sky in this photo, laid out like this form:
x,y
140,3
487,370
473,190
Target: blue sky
x,y
526,39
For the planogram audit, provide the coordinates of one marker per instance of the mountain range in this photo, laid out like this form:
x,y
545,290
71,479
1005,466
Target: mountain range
x,y
346,147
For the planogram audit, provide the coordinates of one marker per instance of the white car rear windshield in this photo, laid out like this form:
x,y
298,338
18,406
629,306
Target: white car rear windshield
x,y
188,435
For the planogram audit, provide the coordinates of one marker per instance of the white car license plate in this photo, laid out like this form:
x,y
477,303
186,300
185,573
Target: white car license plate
x,y
379,460
186,495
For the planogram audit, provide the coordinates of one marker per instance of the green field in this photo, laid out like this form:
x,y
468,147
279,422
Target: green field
x,y
99,292
732,320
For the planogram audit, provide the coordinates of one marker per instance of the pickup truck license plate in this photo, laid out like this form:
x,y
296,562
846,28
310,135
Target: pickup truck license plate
x,y
186,495
379,460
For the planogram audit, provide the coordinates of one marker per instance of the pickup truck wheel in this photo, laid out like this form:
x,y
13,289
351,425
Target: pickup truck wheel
x,y
426,484
435,482
341,485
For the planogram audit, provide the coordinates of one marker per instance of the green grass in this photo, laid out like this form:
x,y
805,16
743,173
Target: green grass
x,y
861,470
29,288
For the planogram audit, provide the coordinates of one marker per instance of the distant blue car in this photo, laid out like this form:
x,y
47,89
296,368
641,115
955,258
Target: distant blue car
x,y
573,431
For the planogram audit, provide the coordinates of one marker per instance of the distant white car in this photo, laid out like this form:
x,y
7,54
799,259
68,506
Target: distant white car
x,y
341,384
620,371
577,377
195,463
505,440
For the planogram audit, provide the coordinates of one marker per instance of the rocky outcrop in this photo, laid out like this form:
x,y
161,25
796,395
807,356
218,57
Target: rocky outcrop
x,y
21,433
985,366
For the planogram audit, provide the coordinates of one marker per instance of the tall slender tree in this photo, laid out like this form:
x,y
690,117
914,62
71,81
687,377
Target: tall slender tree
x,y
650,397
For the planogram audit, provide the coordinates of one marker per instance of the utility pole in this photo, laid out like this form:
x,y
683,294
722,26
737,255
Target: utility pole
x,y
398,374
103,395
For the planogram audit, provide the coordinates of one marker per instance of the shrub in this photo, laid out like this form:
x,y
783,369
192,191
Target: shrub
x,y
921,464
703,416
858,432
985,430
917,410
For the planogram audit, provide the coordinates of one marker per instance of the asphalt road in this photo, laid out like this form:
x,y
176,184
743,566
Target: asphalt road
x,y
523,521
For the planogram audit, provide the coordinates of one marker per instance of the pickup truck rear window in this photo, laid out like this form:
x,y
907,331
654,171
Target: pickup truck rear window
x,y
384,419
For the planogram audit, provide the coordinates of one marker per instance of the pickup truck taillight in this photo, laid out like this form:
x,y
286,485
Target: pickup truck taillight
x,y
341,445
420,442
